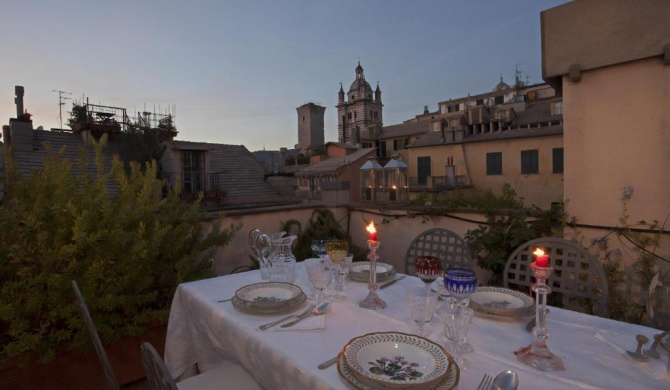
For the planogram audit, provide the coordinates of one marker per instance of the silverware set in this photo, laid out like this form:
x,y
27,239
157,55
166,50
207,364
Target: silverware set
x,y
279,321
486,383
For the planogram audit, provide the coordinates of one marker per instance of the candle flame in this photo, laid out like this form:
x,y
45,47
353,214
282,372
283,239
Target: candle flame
x,y
538,252
371,228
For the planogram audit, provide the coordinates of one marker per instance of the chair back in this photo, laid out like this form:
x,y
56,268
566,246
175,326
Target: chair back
x,y
577,273
658,301
441,243
112,382
158,376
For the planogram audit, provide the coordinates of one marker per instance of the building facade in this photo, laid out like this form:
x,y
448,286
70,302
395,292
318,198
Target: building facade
x,y
512,134
612,65
310,126
359,112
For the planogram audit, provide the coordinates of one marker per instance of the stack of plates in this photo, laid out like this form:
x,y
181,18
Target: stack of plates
x,y
268,298
502,302
397,361
360,271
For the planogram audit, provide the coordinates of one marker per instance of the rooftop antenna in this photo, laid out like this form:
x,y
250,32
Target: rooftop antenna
x,y
61,102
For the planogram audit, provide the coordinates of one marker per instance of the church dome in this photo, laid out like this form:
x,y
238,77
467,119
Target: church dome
x,y
358,83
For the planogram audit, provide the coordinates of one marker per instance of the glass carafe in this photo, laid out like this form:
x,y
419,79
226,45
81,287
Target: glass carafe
x,y
265,247
281,262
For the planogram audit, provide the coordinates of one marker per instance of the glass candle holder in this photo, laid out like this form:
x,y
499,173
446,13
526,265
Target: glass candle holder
x,y
537,354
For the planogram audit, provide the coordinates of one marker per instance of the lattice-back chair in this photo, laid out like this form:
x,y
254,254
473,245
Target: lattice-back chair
x,y
577,273
441,243
112,382
229,375
658,301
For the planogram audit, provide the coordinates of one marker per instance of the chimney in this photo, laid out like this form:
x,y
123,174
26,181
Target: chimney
x,y
18,91
425,110
20,130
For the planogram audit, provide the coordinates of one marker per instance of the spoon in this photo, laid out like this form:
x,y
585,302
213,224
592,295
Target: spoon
x,y
506,380
322,309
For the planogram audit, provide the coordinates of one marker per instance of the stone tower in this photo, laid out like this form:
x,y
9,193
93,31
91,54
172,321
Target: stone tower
x,y
310,125
359,113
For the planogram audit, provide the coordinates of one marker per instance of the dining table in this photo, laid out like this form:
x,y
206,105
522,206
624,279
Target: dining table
x,y
205,329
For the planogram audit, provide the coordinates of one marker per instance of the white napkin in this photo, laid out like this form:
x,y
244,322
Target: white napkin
x,y
309,323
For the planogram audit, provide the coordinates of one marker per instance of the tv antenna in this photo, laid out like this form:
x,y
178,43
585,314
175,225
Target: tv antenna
x,y
61,98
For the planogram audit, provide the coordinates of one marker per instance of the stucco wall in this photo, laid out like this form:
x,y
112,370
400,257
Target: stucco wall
x,y
395,235
470,159
616,134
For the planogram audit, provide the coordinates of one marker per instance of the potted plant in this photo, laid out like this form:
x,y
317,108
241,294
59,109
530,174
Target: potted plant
x,y
126,243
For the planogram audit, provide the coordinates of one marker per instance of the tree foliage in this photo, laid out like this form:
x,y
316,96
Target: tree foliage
x,y
126,245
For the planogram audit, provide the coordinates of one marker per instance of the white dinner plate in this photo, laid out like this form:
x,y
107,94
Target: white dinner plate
x,y
246,307
503,302
396,360
268,294
360,271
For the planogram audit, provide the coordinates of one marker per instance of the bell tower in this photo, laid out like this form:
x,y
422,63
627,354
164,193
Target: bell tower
x,y
359,112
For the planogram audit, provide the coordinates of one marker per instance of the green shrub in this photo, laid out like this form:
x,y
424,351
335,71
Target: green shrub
x,y
126,244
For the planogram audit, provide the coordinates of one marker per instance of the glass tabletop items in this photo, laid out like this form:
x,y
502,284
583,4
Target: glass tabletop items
x,y
422,303
428,268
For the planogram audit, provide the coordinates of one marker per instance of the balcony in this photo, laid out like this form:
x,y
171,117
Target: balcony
x,y
438,183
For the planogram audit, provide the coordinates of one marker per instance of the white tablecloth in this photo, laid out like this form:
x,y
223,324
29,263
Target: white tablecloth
x,y
205,332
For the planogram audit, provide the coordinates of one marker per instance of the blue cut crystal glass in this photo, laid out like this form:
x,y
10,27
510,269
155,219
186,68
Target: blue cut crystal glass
x,y
461,283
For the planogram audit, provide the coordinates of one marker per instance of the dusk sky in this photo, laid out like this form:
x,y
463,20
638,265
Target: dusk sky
x,y
237,70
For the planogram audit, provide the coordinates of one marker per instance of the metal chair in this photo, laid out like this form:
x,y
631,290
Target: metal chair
x,y
441,243
112,382
658,301
577,273
229,376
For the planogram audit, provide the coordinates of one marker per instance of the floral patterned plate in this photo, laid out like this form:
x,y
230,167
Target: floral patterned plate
x,y
502,302
268,295
398,361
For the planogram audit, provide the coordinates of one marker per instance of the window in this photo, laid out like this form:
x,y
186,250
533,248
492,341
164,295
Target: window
x,y
398,144
529,162
381,149
354,115
499,99
494,163
557,160
303,118
502,116
454,123
193,170
557,108
423,169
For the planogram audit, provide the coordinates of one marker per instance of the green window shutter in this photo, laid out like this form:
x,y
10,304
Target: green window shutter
x,y
494,163
557,160
529,162
423,169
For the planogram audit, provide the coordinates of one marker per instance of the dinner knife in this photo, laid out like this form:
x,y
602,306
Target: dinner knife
x,y
391,282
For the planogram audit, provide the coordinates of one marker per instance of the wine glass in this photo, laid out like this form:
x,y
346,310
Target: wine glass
x,y
337,252
457,320
428,268
422,305
461,283
318,247
345,266
319,276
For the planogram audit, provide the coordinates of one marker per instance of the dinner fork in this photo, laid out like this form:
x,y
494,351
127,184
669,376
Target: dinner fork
x,y
486,383
273,323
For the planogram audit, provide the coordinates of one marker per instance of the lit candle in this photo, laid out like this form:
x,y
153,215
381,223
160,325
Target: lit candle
x,y
541,260
372,231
